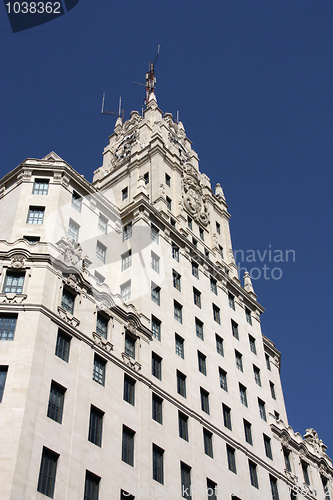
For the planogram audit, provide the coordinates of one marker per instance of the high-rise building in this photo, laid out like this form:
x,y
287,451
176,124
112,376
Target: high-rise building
x,y
132,359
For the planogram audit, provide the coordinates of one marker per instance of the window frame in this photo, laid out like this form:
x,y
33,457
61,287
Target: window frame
x,y
8,323
95,426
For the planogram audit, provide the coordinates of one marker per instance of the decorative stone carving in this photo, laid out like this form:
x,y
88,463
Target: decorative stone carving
x,y
161,190
131,327
12,298
183,154
69,318
130,362
124,148
193,199
18,261
71,251
73,282
102,342
311,438
57,176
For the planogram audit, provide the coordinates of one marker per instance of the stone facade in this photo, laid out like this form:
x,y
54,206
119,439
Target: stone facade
x,y
132,358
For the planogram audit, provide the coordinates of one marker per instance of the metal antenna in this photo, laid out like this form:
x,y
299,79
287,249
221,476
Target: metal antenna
x,y
150,78
177,116
119,113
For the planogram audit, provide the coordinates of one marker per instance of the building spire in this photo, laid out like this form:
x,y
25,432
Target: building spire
x,y
150,78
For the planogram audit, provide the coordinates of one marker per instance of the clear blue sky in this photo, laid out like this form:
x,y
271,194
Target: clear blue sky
x,y
253,82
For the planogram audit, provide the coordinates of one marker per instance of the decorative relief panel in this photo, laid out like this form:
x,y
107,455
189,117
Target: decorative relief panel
x,y
12,298
18,261
102,342
194,201
130,362
69,318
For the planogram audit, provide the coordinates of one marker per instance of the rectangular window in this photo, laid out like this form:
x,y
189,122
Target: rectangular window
x,y
226,416
219,344
3,375
223,379
156,328
130,345
325,486
252,342
183,426
211,490
175,252
125,291
234,327
124,194
126,260
272,387
204,397
213,285
127,232
176,280
167,179
91,486
268,362
158,473
221,252
157,408
181,384
231,301
195,270
199,328
73,230
101,252
95,426
99,370
32,239
127,455
14,282
195,243
231,459
47,472
154,232
256,372
102,325
169,202
216,314
248,432
218,228
155,262
208,443
67,301
146,177
155,293
185,474
7,326
41,186
262,409
242,394
76,201
239,360
202,363
268,448
253,474
62,346
305,469
189,222
286,456
274,488
156,366
129,390
248,316
56,402
179,346
178,311
35,215
197,297
103,223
